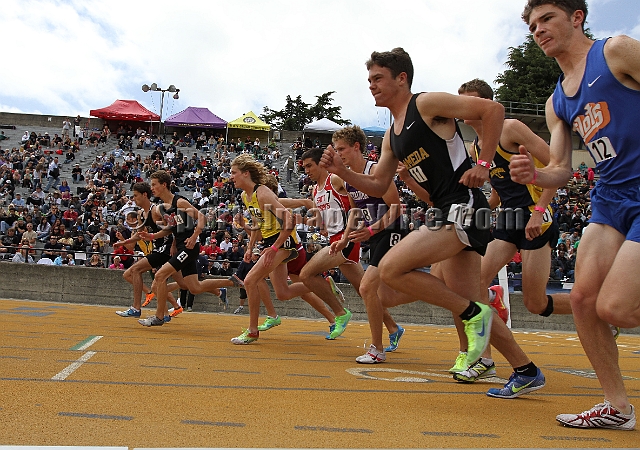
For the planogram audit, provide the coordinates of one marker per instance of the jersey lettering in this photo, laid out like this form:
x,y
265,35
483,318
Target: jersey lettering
x,y
596,117
417,174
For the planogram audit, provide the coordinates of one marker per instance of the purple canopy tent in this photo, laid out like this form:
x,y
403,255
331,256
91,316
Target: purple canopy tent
x,y
193,117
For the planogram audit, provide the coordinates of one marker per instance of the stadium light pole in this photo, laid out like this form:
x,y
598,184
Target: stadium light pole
x,y
154,87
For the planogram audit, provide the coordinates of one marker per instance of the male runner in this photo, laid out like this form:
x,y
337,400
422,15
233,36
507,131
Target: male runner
x,y
148,218
286,291
276,228
534,241
380,222
597,96
331,202
186,224
426,139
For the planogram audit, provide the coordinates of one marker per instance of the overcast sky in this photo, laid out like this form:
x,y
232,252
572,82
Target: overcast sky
x,y
67,57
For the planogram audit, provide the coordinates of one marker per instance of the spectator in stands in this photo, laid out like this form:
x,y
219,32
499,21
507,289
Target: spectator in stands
x,y
226,245
18,201
79,243
43,229
515,265
564,220
70,216
101,238
7,219
95,261
52,248
66,240
9,242
561,268
30,235
37,197
23,255
117,264
53,174
236,254
225,269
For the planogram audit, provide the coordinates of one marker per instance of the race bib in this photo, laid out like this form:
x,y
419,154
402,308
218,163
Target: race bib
x,y
460,214
601,149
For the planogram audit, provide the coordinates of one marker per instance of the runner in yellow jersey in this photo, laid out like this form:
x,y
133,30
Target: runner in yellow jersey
x,y
277,228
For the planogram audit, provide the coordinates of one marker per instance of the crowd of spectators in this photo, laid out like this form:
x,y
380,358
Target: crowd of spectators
x,y
77,221
61,219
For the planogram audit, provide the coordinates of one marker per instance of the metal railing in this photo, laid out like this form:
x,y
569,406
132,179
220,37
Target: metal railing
x,y
536,109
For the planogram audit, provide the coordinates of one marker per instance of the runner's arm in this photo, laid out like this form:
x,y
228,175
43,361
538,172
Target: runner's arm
x,y
558,172
375,184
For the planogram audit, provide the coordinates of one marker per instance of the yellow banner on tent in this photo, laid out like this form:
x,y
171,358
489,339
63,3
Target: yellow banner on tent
x,y
249,121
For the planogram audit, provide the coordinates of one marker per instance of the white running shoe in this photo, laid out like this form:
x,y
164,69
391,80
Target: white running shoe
x,y
603,415
373,356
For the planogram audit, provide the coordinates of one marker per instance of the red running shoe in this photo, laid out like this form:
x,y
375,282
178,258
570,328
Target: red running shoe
x,y
498,304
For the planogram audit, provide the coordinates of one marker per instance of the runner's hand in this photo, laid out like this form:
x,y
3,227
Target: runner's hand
x,y
521,167
475,177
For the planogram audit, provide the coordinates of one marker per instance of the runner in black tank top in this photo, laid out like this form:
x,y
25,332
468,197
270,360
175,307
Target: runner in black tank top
x,y
153,259
426,153
437,165
186,223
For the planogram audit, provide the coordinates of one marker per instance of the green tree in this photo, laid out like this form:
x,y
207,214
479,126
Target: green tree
x,y
296,113
530,76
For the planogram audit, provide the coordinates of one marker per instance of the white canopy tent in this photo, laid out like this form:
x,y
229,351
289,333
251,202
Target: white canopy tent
x,y
320,129
322,126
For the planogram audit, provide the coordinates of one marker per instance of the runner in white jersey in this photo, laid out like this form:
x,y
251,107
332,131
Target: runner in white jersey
x,y
331,203
598,96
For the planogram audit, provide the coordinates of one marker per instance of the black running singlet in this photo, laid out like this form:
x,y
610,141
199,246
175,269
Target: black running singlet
x,y
436,164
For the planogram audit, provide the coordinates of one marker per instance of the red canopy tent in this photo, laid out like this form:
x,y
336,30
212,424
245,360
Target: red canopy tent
x,y
125,110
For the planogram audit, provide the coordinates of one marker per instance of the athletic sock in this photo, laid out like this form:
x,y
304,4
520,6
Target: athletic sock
x,y
492,295
472,310
549,309
530,370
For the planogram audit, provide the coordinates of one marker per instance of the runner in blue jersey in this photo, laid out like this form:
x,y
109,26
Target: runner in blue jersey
x,y
424,136
597,96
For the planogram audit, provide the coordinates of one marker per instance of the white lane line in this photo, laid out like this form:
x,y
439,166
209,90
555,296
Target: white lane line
x,y
88,343
73,367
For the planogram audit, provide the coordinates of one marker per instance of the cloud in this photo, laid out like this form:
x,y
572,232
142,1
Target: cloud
x,y
232,57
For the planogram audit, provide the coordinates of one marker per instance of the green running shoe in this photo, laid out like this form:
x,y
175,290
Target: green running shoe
x,y
269,322
460,364
478,331
476,371
341,324
245,338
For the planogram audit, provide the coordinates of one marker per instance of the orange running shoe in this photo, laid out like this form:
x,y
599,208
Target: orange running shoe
x,y
148,299
177,311
498,304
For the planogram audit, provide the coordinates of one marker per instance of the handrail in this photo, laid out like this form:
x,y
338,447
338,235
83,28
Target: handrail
x,y
536,109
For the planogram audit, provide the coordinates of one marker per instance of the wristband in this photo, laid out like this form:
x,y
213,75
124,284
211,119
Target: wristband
x,y
274,248
535,176
153,236
540,209
484,163
370,230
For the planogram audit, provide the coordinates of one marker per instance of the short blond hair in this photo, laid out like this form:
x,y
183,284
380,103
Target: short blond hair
x,y
351,135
